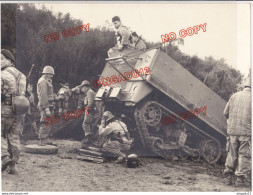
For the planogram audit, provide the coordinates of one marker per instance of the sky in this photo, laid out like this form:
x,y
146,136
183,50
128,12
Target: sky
x,y
227,24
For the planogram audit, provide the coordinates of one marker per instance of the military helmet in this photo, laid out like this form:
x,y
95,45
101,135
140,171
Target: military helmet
x,y
21,105
85,82
8,54
132,161
48,70
108,116
247,82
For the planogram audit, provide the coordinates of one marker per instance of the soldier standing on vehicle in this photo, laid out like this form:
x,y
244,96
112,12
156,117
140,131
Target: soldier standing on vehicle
x,y
116,132
14,106
137,42
46,99
88,101
238,113
122,35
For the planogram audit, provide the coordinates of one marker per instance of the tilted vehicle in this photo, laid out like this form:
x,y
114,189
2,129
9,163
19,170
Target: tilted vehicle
x,y
150,87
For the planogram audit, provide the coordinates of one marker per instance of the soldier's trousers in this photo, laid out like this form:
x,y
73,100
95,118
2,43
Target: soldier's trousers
x,y
90,121
115,148
63,105
10,137
239,155
45,130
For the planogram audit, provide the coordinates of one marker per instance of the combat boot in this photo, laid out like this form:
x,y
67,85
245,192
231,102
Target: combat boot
x,y
240,182
12,168
86,142
6,161
228,178
120,160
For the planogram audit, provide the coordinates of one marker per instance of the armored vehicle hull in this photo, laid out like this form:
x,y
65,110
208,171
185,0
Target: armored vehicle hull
x,y
170,111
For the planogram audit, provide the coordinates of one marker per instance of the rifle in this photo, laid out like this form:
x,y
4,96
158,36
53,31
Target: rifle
x,y
28,79
29,74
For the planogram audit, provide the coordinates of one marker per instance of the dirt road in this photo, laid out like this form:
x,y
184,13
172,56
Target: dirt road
x,y
64,172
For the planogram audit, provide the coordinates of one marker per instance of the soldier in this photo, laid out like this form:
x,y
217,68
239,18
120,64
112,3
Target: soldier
x,y
122,35
46,99
87,100
137,42
63,98
13,110
238,113
119,141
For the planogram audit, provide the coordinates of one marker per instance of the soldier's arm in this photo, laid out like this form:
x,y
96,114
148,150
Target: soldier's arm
x,y
125,34
105,131
80,102
22,84
226,110
90,97
43,95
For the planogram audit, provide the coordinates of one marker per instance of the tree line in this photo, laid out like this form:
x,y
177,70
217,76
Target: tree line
x,y
83,57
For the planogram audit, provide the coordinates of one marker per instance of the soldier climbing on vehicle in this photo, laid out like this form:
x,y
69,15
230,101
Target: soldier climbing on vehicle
x,y
137,41
122,36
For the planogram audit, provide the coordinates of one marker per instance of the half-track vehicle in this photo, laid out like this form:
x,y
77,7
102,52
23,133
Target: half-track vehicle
x,y
170,111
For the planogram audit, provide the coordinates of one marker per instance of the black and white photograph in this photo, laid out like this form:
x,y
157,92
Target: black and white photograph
x,y
126,96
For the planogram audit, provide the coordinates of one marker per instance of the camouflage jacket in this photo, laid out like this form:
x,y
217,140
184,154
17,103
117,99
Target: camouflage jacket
x,y
238,113
124,34
13,83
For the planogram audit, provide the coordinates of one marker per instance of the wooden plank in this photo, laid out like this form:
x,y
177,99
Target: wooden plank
x,y
88,158
89,152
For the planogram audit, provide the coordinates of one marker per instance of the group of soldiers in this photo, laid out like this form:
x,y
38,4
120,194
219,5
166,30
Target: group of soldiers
x,y
15,104
18,100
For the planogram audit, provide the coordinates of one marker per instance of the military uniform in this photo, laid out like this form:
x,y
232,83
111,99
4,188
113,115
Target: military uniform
x,y
123,35
88,101
238,112
118,143
46,100
13,83
140,45
63,98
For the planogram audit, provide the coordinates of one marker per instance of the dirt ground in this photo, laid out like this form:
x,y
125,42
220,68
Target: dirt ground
x,y
64,172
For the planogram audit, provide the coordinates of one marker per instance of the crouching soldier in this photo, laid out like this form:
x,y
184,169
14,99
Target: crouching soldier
x,y
14,106
63,98
46,100
119,142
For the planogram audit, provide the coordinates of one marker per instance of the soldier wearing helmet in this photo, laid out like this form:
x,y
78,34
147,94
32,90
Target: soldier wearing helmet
x,y
238,114
14,106
87,96
46,100
119,141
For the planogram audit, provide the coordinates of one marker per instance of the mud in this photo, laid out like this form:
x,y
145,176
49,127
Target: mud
x,y
64,172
